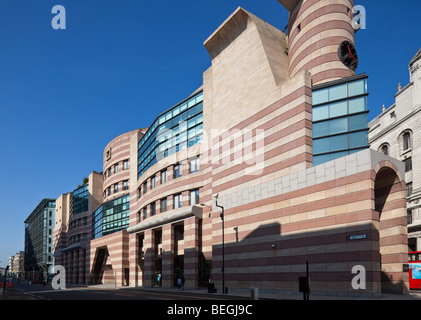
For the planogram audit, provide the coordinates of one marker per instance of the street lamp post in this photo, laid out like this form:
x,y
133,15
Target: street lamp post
x,y
4,281
223,243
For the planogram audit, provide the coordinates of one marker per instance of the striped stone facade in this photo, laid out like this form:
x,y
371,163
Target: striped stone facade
x,y
316,28
280,211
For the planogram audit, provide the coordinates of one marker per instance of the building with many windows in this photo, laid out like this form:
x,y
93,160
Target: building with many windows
x,y
73,228
278,132
38,257
395,132
108,259
262,169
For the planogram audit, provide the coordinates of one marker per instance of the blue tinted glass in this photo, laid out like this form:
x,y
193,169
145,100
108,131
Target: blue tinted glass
x,y
320,129
320,113
330,144
338,126
338,92
338,143
358,122
358,139
321,159
338,109
321,146
320,96
331,127
357,87
358,105
169,129
328,157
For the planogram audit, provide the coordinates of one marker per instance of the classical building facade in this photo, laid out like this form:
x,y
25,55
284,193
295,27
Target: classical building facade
x,y
396,132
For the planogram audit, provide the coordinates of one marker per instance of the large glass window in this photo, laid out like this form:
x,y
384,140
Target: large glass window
x,y
111,217
80,200
175,130
340,119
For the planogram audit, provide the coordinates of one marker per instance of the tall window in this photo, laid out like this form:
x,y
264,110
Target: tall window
x,y
153,182
194,197
408,164
409,189
164,176
116,168
194,165
177,201
126,185
406,141
125,164
153,209
164,205
177,171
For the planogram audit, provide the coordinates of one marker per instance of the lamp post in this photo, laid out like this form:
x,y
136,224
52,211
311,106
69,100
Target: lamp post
x,y
4,281
223,243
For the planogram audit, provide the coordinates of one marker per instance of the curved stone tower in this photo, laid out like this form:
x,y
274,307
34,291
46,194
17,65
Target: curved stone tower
x,y
317,28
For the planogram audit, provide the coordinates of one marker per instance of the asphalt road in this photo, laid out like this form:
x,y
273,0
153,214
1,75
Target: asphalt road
x,y
39,292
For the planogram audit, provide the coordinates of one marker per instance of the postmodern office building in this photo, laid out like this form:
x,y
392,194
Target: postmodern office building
x,y
395,132
262,169
89,219
279,132
38,254
109,246
73,228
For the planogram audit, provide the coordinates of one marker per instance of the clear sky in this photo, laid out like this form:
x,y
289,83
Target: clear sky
x,y
64,94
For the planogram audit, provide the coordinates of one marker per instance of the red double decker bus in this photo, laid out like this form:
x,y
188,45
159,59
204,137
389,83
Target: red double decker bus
x,y
415,270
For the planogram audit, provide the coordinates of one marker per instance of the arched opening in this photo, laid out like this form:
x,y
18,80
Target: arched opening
x,y
390,203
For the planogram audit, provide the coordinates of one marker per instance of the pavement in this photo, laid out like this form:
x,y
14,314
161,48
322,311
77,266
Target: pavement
x,y
414,295
13,294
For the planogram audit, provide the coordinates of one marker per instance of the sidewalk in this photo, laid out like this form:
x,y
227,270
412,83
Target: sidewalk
x,y
413,296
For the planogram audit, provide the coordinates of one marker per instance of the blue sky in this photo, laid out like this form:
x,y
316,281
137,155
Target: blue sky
x,y
64,94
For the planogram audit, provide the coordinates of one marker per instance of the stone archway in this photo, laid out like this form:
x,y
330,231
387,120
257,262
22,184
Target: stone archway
x,y
390,204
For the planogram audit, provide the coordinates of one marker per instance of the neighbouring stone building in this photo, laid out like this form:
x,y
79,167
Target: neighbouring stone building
x,y
397,132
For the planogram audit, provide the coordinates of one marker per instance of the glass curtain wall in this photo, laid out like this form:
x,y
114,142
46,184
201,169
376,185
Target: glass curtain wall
x,y
340,119
111,217
179,128
80,200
